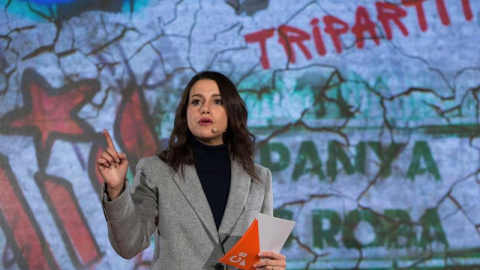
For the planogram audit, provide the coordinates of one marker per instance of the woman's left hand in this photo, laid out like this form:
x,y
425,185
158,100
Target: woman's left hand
x,y
271,260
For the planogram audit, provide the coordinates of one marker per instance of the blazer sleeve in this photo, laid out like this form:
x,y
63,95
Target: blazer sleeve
x,y
132,217
267,206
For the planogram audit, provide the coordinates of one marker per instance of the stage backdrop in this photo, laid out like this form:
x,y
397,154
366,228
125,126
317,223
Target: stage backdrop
x,y
367,113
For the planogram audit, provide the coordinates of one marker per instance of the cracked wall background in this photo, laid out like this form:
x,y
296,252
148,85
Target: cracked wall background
x,y
366,112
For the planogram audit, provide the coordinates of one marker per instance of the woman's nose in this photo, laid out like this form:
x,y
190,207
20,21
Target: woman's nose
x,y
205,108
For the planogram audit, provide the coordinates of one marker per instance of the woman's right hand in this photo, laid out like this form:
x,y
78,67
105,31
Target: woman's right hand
x,y
113,167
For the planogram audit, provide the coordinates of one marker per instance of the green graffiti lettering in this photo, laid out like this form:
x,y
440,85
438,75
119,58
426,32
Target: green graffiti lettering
x,y
360,157
386,156
320,234
266,156
421,150
394,229
335,152
399,231
346,110
432,230
285,214
308,151
352,219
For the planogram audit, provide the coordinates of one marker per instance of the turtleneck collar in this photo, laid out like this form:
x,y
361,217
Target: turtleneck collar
x,y
210,155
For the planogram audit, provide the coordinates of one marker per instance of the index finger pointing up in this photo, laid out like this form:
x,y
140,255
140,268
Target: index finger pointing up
x,y
108,138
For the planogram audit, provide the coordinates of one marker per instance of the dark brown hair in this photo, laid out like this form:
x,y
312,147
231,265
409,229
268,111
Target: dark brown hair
x,y
239,139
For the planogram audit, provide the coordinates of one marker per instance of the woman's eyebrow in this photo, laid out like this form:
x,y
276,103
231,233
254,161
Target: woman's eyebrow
x,y
200,95
196,95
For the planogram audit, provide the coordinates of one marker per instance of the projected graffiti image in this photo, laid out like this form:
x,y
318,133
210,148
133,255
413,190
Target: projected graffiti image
x,y
366,112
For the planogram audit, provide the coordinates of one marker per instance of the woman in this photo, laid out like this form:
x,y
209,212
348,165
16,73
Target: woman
x,y
200,195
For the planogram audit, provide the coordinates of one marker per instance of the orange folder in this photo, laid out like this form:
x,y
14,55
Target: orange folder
x,y
244,254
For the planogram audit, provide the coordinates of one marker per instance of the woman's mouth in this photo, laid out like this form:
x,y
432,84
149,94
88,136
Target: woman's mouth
x,y
205,122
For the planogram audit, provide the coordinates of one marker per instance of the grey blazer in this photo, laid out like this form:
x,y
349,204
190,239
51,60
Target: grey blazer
x,y
174,208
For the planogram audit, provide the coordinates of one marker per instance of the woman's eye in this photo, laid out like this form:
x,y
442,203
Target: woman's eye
x,y
218,102
195,102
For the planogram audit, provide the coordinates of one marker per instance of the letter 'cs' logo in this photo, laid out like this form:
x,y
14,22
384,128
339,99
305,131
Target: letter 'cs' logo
x,y
240,258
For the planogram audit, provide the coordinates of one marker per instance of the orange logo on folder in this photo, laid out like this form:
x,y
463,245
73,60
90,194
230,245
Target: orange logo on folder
x,y
244,253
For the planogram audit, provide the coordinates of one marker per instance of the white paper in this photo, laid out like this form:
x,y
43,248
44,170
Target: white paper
x,y
273,232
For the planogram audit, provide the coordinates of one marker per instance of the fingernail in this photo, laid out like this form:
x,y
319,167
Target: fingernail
x,y
118,160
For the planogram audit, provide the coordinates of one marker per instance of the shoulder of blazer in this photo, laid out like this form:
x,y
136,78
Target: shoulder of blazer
x,y
153,165
263,173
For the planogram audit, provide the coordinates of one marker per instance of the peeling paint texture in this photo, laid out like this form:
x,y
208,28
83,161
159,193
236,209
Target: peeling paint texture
x,y
367,114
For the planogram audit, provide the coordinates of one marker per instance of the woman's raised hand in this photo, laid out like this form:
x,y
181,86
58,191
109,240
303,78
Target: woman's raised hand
x,y
113,167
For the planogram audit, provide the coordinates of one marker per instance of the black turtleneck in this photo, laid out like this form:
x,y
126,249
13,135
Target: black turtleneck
x,y
213,167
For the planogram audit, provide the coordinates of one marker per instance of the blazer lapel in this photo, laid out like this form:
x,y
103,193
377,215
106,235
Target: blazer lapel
x,y
239,189
192,189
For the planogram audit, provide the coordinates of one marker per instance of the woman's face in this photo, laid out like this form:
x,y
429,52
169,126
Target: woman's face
x,y
206,116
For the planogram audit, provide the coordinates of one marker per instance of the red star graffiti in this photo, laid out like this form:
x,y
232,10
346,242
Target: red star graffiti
x,y
134,130
48,113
